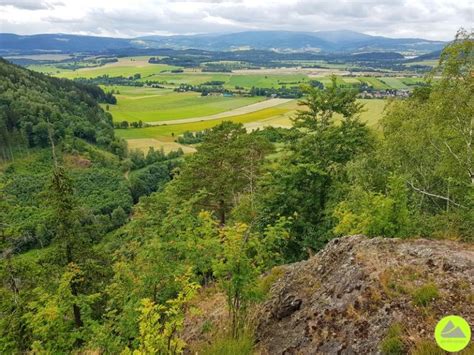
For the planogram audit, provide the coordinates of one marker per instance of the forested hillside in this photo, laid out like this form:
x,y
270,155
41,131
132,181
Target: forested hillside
x,y
34,106
45,119
85,270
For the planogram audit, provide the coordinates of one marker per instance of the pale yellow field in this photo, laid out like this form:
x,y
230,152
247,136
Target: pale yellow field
x,y
146,143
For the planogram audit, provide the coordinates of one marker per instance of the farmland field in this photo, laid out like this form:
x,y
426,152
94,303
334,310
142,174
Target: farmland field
x,y
151,105
174,130
275,116
167,145
428,62
393,82
374,82
155,105
124,67
264,78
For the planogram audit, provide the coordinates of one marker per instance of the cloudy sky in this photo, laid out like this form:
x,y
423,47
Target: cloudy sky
x,y
431,19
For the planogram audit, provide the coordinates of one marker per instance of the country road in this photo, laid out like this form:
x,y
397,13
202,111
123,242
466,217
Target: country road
x,y
235,112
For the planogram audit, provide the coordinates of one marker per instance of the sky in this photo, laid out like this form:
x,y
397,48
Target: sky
x,y
429,19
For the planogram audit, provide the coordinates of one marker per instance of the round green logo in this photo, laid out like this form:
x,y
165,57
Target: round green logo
x,y
452,333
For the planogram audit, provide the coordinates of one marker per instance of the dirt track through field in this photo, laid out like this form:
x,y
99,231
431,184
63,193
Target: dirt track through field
x,y
235,112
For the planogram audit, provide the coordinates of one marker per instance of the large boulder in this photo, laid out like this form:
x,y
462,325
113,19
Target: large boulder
x,y
367,296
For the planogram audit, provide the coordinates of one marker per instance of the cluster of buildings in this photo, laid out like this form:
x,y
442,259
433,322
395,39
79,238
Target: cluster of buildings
x,y
384,94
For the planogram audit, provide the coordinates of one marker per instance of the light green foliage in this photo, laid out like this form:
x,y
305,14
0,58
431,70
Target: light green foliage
x,y
243,345
375,214
160,324
83,272
427,348
427,140
245,255
49,316
426,149
237,272
323,104
170,243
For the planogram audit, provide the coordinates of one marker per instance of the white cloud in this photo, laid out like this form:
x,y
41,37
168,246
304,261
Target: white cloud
x,y
27,4
435,19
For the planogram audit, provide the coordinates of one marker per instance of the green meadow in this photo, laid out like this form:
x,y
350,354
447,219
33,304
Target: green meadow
x,y
230,80
115,69
149,104
278,115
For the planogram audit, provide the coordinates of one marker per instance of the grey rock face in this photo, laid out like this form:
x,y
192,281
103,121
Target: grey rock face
x,y
346,298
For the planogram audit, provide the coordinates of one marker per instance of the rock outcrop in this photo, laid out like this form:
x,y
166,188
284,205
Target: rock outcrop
x,y
367,296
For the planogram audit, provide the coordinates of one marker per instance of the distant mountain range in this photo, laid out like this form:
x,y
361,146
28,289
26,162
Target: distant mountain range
x,y
323,41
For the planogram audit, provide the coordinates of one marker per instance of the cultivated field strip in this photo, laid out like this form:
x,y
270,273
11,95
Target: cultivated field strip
x,y
238,111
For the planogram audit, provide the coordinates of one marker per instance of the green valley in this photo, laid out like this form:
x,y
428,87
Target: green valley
x,y
262,192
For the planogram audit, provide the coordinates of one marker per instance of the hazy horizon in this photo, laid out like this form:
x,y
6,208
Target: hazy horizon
x,y
208,33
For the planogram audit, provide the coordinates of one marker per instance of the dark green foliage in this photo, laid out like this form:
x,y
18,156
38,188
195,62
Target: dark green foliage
x,y
310,180
192,137
226,164
275,134
150,179
100,188
32,104
292,92
118,217
109,80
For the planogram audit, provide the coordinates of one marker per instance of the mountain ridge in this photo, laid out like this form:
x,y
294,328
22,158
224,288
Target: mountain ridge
x,y
321,41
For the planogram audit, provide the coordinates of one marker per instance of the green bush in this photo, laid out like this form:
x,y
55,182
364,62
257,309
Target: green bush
x,y
427,348
230,346
393,343
426,294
